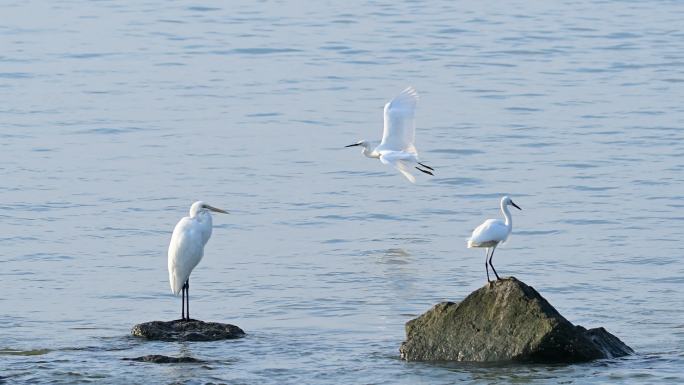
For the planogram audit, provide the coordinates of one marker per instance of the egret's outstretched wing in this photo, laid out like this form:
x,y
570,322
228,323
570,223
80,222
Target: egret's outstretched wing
x,y
185,252
398,163
400,127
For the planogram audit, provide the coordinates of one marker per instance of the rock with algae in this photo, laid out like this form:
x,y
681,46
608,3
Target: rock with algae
x,y
186,330
504,321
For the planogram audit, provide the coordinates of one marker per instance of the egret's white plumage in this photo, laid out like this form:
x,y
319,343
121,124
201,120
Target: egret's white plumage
x,y
399,131
492,232
400,160
397,147
186,248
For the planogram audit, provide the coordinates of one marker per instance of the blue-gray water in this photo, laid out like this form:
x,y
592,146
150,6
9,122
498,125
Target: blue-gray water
x,y
116,115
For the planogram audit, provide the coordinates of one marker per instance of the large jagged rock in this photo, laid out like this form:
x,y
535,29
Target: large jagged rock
x,y
504,321
186,330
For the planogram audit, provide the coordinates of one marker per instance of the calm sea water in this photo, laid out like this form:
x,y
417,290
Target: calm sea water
x,y
116,115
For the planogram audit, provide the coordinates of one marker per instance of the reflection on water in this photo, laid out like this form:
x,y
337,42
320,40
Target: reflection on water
x,y
395,257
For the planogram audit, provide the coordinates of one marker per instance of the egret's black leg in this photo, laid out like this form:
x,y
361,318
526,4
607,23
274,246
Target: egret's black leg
x,y
490,264
183,302
187,298
425,171
486,266
426,166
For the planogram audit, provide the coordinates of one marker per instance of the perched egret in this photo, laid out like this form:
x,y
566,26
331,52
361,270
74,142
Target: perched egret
x,y
187,249
397,147
492,232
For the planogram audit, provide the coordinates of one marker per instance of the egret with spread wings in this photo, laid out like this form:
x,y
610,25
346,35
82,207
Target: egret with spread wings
x,y
397,147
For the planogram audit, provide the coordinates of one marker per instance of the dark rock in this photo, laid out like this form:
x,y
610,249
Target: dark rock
x,y
610,345
159,359
186,330
504,321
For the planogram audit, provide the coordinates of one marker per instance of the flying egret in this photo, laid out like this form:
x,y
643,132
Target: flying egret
x,y
397,147
492,232
187,249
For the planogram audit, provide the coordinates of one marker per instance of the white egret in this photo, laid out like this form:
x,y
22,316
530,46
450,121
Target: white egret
x,y
187,249
397,146
492,232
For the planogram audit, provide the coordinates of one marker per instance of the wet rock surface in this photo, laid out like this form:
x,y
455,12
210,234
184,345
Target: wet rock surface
x,y
160,359
186,330
504,321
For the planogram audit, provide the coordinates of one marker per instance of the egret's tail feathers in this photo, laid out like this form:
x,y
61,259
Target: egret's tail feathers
x,y
408,176
471,243
405,170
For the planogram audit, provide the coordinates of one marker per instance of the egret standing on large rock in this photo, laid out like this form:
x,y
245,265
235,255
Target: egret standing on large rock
x,y
492,232
397,147
187,249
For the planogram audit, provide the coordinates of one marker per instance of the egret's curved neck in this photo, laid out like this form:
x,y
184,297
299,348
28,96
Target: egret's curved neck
x,y
201,216
507,215
195,210
204,220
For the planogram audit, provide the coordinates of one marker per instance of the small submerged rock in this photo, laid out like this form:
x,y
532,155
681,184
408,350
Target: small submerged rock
x,y
186,330
504,321
159,359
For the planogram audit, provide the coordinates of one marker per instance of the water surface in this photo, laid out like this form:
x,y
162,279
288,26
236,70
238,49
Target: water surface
x,y
116,116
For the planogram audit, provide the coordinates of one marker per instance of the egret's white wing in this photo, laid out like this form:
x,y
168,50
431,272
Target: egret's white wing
x,y
185,252
395,160
400,126
491,230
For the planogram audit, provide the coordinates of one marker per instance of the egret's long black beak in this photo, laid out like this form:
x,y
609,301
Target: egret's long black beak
x,y
216,209
352,145
516,206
